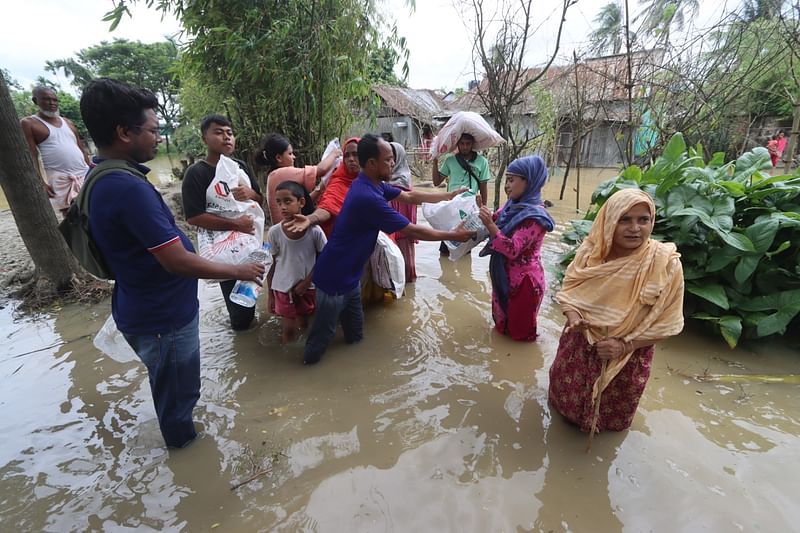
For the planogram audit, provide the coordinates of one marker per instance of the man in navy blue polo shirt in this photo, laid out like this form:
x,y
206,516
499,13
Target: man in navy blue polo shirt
x,y
365,211
154,302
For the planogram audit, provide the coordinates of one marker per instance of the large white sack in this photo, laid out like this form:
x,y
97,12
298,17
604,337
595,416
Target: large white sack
x,y
465,122
388,266
230,247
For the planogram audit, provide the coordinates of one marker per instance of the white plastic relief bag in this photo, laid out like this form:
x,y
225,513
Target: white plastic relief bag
x,y
465,122
110,341
333,145
388,266
446,215
228,246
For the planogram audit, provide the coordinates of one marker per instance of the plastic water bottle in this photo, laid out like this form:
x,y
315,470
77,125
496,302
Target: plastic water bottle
x,y
245,293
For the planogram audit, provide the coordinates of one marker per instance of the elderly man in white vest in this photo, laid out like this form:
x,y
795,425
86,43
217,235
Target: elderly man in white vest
x,y
63,155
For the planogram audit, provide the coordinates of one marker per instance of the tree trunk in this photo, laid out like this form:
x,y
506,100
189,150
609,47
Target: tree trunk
x,y
791,148
29,204
498,179
566,171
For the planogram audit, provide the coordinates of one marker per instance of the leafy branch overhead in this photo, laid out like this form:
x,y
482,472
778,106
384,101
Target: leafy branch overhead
x,y
152,66
298,67
737,229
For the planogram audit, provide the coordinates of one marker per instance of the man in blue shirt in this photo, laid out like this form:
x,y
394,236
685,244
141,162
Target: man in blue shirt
x,y
154,302
365,211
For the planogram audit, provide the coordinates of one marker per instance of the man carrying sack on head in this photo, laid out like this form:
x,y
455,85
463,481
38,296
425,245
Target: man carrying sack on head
x,y
467,168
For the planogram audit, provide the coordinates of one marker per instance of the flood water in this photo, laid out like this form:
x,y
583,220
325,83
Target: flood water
x,y
432,423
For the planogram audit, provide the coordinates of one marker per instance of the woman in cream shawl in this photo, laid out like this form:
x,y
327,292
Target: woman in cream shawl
x,y
622,293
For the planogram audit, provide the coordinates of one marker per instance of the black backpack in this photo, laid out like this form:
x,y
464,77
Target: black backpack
x,y
75,226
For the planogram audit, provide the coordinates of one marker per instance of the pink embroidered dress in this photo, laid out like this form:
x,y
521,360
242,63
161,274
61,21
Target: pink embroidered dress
x,y
516,264
523,262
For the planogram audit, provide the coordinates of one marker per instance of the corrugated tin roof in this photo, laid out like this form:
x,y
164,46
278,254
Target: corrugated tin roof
x,y
600,79
421,104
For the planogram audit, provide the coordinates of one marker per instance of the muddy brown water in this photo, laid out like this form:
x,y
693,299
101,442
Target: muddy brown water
x,y
432,423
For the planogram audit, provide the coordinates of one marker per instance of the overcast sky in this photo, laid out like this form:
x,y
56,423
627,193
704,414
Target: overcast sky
x,y
438,39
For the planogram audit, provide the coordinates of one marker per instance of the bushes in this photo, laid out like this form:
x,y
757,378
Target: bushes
x,y
737,229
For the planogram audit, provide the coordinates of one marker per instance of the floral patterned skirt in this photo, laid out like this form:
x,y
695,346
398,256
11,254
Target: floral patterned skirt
x,y
575,370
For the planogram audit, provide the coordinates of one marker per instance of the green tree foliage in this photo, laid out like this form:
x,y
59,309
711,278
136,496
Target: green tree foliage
x,y
761,9
659,17
10,81
151,66
763,41
737,229
608,37
292,66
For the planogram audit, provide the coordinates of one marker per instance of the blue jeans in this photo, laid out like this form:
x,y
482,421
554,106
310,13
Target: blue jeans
x,y
332,309
173,365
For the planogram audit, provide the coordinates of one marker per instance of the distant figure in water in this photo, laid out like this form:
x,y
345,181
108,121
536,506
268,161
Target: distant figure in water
x,y
772,148
516,233
622,293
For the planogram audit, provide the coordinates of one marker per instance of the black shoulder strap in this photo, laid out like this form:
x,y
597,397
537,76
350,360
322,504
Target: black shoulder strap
x,y
466,166
104,167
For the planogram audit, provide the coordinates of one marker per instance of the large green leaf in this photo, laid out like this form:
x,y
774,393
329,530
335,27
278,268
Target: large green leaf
x,y
679,198
782,191
787,218
762,234
719,261
737,240
747,265
770,302
769,180
633,173
711,292
672,176
777,322
675,148
751,162
731,329
717,160
735,188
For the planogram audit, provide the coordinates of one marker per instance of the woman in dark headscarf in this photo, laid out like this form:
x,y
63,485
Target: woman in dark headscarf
x,y
516,233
